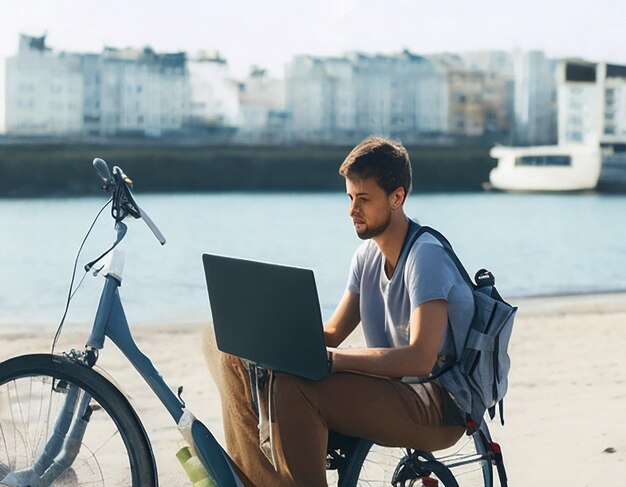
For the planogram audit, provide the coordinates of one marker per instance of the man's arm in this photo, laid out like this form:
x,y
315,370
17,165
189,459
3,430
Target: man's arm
x,y
427,326
343,321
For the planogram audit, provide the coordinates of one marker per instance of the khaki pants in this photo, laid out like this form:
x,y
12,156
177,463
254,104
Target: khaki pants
x,y
386,411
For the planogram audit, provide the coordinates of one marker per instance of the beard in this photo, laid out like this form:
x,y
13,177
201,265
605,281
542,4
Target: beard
x,y
371,232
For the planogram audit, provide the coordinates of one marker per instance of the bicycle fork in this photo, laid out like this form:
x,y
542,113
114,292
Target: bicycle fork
x,y
63,445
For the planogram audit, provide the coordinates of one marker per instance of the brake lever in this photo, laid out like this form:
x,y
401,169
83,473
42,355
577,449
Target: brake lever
x,y
132,207
151,225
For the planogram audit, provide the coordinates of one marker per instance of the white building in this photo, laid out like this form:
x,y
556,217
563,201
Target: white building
x,y
262,115
214,97
319,96
356,95
121,91
431,112
614,119
592,103
44,90
498,86
142,92
475,93
534,88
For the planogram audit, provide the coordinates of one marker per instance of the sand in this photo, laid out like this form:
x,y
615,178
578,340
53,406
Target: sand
x,y
565,410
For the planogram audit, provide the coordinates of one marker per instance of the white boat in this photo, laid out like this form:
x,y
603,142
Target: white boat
x,y
546,168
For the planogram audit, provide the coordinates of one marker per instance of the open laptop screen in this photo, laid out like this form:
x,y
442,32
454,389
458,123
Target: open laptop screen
x,y
268,314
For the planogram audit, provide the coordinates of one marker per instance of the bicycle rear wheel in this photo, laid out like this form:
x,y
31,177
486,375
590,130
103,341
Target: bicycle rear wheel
x,y
63,424
466,465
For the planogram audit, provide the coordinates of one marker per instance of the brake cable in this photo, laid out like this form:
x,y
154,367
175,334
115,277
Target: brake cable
x,y
71,291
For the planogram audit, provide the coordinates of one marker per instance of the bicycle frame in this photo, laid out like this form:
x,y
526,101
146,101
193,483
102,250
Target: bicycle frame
x,y
111,322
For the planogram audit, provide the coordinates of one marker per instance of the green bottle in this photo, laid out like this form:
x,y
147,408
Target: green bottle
x,y
194,468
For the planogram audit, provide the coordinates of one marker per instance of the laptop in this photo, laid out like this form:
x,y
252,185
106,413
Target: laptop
x,y
268,314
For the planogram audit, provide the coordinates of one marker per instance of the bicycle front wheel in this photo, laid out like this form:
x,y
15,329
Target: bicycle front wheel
x,y
63,424
466,464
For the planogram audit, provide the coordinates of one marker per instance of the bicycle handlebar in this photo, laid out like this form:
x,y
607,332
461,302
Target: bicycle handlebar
x,y
124,203
103,170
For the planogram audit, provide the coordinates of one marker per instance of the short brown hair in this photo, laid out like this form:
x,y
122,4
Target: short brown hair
x,y
387,161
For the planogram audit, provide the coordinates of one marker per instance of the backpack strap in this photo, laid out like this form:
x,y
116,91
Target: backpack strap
x,y
448,247
406,247
408,242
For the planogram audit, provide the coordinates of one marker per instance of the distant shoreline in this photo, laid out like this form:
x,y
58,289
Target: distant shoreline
x,y
63,168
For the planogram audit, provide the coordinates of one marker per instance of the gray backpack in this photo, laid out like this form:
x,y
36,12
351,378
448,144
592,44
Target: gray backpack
x,y
477,377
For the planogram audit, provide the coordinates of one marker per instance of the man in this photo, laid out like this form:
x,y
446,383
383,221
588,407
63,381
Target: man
x,y
404,292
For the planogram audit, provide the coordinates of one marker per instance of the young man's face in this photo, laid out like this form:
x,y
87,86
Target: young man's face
x,y
370,207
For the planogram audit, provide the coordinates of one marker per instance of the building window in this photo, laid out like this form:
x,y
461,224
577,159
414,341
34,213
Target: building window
x,y
576,121
543,161
575,104
575,136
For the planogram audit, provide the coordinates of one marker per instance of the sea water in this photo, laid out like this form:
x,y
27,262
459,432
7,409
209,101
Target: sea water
x,y
534,244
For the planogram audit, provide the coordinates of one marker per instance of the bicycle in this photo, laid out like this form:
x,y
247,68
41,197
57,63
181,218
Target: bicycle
x,y
64,423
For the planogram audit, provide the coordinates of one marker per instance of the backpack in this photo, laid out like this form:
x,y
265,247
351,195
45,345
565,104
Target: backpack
x,y
482,366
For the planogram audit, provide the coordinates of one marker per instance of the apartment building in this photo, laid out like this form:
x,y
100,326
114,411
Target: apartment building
x,y
262,115
320,97
534,98
117,92
337,98
463,88
614,116
143,92
403,96
214,97
498,87
592,103
44,90
466,110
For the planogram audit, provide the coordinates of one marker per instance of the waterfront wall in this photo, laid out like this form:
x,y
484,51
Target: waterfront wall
x,y
59,169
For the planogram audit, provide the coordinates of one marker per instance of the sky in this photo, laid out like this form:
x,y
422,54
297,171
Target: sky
x,y
268,33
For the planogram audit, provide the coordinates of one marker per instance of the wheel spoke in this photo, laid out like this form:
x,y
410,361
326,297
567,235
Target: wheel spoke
x,y
379,464
39,426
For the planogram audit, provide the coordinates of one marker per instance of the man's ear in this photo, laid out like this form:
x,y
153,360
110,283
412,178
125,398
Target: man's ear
x,y
397,197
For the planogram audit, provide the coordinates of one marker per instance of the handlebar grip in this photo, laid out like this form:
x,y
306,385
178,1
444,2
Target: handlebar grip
x,y
102,169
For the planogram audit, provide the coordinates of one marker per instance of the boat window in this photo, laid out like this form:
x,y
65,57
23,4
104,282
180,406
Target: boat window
x,y
543,161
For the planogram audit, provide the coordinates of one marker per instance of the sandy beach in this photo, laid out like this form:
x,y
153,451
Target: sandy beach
x,y
564,411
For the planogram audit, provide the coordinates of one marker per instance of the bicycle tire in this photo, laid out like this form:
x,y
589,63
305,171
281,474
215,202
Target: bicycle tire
x,y
114,446
374,465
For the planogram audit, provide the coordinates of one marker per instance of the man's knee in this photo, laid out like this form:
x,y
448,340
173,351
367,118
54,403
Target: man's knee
x,y
211,354
222,366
